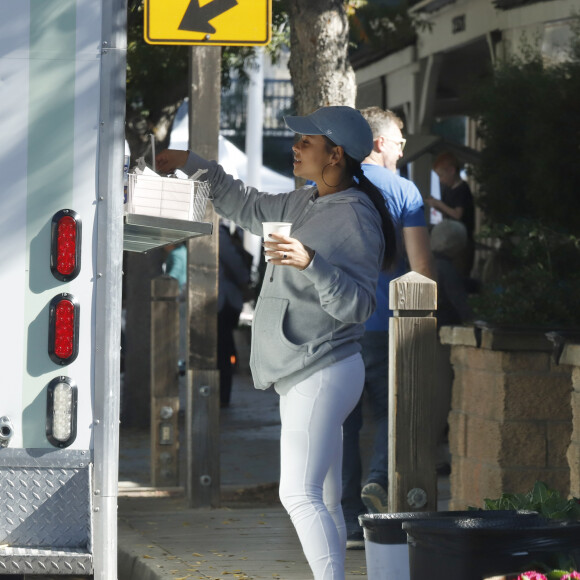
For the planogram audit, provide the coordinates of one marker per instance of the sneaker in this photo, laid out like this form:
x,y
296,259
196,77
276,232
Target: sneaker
x,y
374,496
355,540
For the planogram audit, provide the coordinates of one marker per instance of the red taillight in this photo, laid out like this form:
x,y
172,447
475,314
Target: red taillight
x,y
65,245
63,329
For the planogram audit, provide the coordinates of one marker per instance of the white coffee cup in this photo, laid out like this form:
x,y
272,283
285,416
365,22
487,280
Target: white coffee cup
x,y
276,228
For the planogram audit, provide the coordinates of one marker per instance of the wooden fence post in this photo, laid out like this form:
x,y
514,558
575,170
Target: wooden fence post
x,y
164,382
203,438
412,339
203,459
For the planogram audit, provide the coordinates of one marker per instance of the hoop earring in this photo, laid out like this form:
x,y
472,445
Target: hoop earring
x,y
324,180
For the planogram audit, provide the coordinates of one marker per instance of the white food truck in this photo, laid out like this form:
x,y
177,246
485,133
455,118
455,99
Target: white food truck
x,y
62,107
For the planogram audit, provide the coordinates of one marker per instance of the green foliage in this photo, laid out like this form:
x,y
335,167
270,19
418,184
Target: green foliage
x,y
529,121
280,29
383,26
536,280
547,502
147,64
152,71
157,76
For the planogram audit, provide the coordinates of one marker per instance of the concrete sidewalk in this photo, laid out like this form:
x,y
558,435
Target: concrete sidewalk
x,y
250,537
160,539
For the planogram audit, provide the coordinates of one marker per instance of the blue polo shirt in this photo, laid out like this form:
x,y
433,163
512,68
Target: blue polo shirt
x,y
406,206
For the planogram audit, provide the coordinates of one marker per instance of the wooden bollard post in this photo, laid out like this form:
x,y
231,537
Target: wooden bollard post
x,y
164,382
412,336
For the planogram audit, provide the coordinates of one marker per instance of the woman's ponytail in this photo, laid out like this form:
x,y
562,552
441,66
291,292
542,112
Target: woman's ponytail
x,y
354,169
380,203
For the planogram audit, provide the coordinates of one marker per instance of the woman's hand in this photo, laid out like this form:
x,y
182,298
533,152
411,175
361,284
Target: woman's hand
x,y
169,160
285,251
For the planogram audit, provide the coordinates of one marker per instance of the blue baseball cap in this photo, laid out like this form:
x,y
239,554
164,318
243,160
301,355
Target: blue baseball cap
x,y
343,125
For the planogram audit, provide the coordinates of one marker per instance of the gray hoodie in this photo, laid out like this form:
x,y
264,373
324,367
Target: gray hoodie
x,y
306,320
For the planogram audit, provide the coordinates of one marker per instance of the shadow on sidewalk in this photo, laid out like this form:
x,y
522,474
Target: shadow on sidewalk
x,y
249,448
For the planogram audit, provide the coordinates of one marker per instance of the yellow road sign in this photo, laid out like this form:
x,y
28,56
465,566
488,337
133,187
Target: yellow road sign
x,y
208,22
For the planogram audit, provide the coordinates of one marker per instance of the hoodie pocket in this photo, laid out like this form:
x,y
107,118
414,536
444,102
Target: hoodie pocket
x,y
273,355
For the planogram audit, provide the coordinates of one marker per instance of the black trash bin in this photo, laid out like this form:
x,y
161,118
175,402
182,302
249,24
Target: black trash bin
x,y
387,555
475,548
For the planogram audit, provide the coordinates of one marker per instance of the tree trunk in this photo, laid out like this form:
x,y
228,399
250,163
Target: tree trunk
x,y
319,65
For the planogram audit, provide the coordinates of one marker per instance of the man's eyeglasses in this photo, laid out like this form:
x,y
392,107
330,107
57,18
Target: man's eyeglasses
x,y
400,142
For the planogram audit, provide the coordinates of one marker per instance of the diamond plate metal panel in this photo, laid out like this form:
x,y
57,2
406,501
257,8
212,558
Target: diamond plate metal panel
x,y
44,458
45,507
54,562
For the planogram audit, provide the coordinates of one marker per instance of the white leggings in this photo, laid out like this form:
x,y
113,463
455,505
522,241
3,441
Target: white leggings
x,y
312,413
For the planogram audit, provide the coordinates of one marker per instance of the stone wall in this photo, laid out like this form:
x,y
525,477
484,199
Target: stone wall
x,y
511,415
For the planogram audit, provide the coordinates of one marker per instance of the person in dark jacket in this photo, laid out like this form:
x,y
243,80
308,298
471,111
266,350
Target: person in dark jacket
x,y
456,203
234,276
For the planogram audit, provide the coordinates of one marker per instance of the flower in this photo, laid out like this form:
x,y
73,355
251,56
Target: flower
x,y
561,575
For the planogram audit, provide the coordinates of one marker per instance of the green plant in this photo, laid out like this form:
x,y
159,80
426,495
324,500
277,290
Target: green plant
x,y
550,504
529,122
547,502
535,278
382,26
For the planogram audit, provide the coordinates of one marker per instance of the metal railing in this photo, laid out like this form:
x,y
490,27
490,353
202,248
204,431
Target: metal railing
x,y
278,101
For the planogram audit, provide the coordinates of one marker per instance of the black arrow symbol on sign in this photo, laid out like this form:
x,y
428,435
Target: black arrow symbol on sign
x,y
196,18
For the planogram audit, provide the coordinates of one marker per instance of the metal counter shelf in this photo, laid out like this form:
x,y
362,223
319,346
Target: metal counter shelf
x,y
142,233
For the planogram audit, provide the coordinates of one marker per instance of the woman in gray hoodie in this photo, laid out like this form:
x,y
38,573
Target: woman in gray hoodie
x,y
318,291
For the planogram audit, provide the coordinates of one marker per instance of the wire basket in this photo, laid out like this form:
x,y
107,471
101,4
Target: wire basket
x,y
167,197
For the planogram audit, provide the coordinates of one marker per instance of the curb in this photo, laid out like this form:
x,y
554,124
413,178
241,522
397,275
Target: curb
x,y
132,550
138,558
